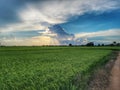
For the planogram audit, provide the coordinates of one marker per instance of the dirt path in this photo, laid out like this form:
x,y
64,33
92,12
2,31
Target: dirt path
x,y
115,76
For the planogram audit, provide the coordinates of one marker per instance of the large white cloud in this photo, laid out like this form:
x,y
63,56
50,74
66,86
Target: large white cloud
x,y
105,33
55,12
42,14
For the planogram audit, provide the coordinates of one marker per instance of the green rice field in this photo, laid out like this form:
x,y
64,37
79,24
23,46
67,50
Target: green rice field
x,y
49,68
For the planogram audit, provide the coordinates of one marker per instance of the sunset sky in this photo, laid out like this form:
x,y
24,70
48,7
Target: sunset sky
x,y
59,22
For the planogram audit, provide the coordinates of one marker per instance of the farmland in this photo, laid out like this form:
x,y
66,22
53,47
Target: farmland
x,y
49,68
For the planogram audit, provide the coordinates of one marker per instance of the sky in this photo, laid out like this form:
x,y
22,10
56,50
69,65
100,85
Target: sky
x,y
59,22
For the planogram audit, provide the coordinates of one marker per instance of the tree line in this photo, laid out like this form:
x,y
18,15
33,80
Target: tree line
x,y
92,44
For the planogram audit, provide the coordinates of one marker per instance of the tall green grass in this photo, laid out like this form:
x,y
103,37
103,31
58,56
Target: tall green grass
x,y
48,68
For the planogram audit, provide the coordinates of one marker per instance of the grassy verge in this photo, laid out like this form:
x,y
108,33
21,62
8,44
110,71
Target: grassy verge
x,y
99,78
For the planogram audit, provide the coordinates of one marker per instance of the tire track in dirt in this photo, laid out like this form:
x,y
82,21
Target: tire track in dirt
x,y
115,76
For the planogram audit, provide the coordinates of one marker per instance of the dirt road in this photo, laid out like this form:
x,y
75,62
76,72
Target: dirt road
x,y
115,76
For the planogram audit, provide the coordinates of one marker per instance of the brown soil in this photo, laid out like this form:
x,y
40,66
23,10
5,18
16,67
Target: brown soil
x,y
115,76
108,77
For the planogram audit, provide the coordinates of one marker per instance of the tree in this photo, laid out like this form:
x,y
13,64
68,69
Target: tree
x,y
103,45
70,44
90,44
118,44
114,43
98,44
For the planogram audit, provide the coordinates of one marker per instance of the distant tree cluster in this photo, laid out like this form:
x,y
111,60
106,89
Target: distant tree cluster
x,y
92,44
115,44
112,44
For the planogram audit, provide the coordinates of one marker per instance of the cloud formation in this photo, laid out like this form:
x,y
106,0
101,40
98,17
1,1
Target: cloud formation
x,y
56,35
42,15
56,12
53,35
106,36
105,33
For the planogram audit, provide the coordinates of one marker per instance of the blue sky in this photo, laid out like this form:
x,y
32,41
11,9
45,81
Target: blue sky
x,y
59,22
92,22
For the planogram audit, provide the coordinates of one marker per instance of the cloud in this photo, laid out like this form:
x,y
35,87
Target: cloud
x,y
61,11
53,35
105,33
29,14
31,41
56,35
9,10
106,36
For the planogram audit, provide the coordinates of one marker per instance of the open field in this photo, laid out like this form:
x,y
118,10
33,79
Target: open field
x,y
49,68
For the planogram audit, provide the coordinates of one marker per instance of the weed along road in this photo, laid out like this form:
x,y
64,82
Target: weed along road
x,y
115,76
